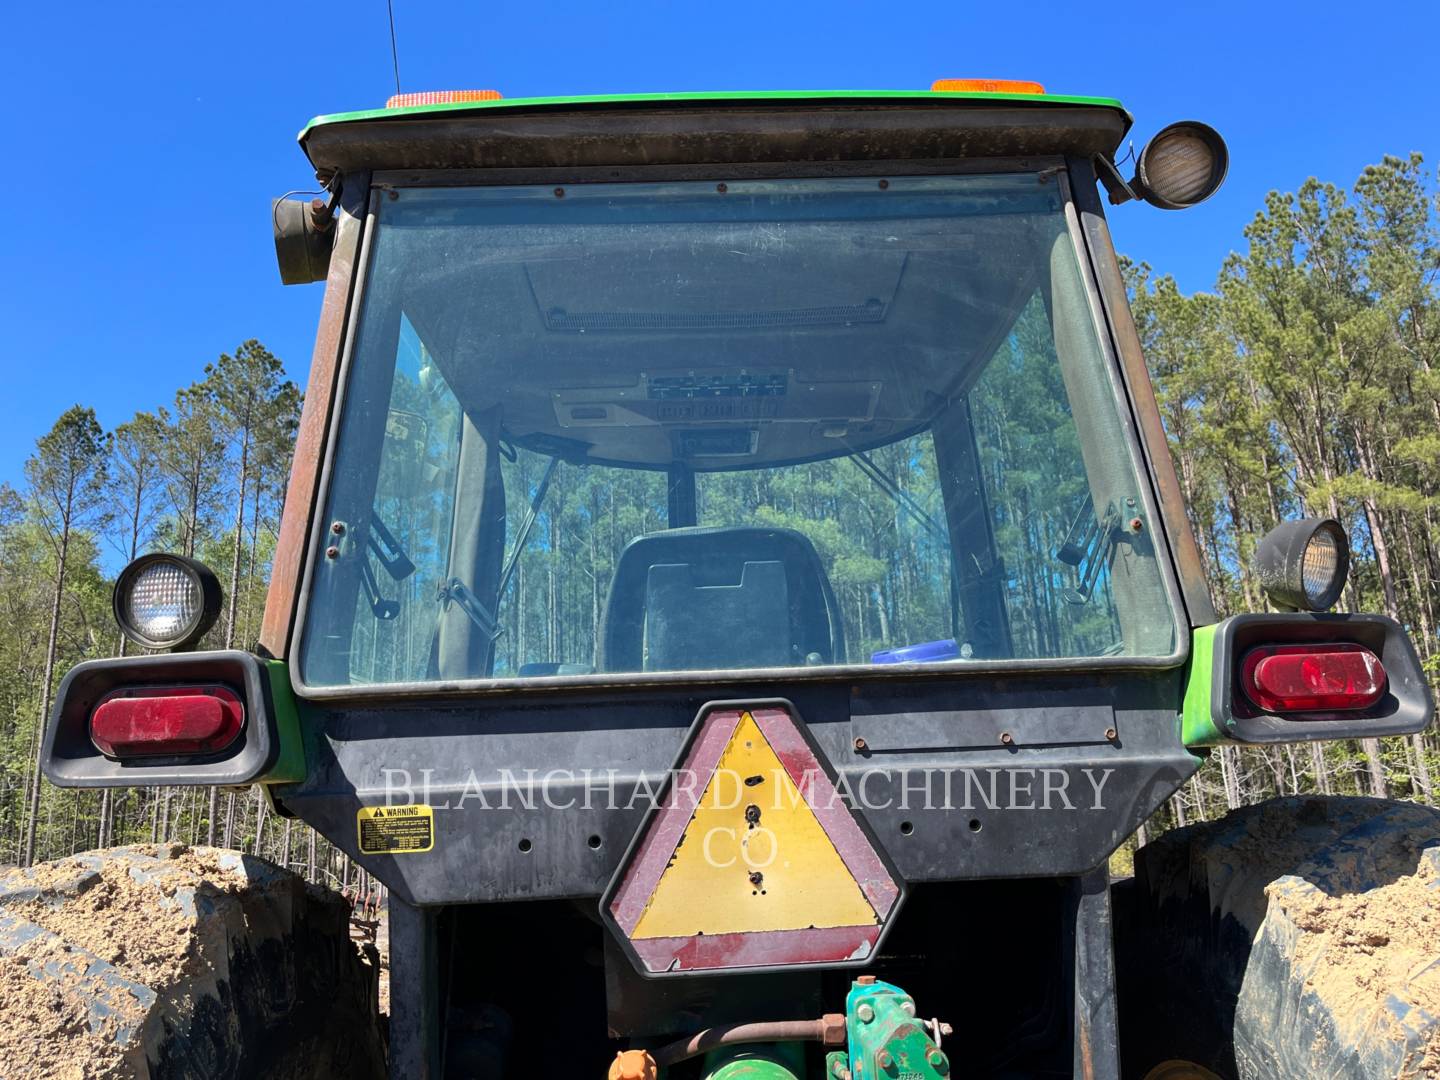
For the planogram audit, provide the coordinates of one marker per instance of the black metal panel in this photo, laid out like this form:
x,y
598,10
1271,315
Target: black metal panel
x,y
1031,718
70,759
585,137
1097,1019
415,1028
591,761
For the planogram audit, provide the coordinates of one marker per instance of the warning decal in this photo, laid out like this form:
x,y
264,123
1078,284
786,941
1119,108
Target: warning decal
x,y
391,830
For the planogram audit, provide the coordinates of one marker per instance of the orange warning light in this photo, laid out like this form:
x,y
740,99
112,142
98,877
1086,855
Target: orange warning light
x,y
440,97
986,86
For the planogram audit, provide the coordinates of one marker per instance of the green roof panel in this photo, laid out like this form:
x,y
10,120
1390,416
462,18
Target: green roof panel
x,y
738,97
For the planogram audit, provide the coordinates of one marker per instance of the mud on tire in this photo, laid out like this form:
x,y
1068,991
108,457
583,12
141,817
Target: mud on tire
x,y
170,962
1292,940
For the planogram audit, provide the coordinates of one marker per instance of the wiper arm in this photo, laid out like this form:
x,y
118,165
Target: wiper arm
x,y
903,499
457,591
1087,547
522,534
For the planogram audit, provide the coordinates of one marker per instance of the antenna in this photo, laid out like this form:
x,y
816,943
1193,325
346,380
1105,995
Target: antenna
x,y
394,52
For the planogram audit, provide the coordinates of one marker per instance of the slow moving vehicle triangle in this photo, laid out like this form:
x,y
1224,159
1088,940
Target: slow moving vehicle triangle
x,y
752,859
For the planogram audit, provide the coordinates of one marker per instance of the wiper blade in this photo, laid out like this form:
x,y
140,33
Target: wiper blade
x,y
456,591
522,534
388,550
903,499
1087,548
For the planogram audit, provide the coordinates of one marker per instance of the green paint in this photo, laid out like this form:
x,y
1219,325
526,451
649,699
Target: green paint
x,y
290,764
737,97
885,1038
1197,720
764,1061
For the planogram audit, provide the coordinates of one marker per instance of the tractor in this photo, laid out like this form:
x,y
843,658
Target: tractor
x,y
734,591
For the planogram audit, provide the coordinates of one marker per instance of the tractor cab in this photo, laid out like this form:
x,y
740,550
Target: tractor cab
x,y
733,589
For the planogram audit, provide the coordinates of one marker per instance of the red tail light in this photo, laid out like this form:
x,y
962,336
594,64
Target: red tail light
x,y
1312,678
153,721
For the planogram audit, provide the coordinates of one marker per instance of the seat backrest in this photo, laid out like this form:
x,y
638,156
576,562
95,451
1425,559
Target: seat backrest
x,y
720,598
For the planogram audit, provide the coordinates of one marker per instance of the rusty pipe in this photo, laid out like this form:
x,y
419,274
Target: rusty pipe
x,y
829,1030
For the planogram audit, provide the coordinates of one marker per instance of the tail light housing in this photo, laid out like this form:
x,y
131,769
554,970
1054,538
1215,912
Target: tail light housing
x,y
166,721
1312,677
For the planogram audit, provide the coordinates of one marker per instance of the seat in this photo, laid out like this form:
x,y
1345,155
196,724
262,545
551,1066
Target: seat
x,y
720,598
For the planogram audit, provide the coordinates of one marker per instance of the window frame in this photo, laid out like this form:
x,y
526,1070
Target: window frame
x,y
1103,327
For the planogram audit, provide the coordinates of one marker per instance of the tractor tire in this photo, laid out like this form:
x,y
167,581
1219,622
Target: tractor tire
x,y
1294,940
167,962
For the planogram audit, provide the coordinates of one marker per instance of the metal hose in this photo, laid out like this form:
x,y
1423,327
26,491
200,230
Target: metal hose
x,y
829,1029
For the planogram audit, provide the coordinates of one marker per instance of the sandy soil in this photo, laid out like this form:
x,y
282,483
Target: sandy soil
x,y
45,1031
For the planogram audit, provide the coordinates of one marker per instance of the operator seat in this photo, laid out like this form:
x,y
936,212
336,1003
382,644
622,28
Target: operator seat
x,y
719,598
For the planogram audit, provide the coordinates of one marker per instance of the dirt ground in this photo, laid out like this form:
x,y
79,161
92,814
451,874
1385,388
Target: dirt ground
x,y
115,941
46,1030
382,942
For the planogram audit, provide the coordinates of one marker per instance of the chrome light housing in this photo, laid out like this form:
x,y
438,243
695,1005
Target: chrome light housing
x,y
1302,565
1181,166
166,601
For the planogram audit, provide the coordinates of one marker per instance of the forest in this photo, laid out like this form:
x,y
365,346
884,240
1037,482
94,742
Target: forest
x,y
1306,381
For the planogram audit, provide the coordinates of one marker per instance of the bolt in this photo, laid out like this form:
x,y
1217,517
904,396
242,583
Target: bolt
x,y
1136,524
1006,738
756,877
332,553
1111,734
861,745
721,188
393,194
320,219
907,1007
938,1061
338,528
884,184
884,1060
865,1011
559,192
752,813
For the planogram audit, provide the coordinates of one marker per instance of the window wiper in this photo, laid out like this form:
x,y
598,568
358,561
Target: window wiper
x,y
903,499
387,550
910,505
457,591
1087,547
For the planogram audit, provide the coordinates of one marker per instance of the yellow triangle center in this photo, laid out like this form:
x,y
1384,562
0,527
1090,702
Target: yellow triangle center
x,y
754,856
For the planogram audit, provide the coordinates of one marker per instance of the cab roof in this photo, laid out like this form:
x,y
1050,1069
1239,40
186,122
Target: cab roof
x,y
715,127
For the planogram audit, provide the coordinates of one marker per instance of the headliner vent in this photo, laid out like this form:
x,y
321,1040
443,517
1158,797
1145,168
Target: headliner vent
x,y
872,311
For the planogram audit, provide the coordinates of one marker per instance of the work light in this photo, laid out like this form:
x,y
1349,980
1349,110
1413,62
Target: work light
x,y
1302,565
166,601
1181,166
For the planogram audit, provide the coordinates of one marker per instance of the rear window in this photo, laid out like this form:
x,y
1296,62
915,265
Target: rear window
x,y
662,427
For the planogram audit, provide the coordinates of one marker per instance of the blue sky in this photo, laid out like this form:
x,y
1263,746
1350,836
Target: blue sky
x,y
145,141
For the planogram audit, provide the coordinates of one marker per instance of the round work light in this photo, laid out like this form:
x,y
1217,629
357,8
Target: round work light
x,y
1181,166
1302,565
166,601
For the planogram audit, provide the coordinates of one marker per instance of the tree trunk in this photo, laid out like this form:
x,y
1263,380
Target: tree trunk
x,y
51,645
239,545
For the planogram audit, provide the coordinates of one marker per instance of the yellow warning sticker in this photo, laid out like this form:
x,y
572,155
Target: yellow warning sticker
x,y
393,830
